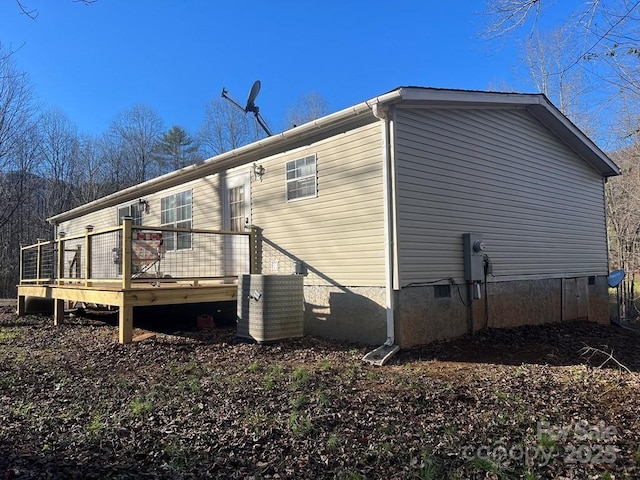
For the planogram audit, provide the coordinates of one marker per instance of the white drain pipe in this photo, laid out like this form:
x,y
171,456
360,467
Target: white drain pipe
x,y
388,223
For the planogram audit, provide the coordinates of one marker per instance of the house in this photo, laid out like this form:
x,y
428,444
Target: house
x,y
418,215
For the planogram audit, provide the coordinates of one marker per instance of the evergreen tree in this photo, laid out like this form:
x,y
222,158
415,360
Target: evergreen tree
x,y
176,149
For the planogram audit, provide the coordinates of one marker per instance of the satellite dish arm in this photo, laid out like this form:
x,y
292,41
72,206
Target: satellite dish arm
x,y
251,106
225,95
263,124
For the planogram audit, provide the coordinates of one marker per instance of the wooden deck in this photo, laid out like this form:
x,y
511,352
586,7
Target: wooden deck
x,y
80,273
138,294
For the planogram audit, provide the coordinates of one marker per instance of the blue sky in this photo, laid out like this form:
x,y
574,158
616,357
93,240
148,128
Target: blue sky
x,y
93,61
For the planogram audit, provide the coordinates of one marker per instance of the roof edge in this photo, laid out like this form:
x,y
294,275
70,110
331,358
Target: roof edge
x,y
536,103
230,159
547,113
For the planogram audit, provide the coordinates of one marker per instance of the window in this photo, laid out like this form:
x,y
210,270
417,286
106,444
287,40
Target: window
x,y
175,211
236,209
302,179
134,211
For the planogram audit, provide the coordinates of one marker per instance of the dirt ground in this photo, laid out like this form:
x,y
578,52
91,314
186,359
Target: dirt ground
x,y
555,401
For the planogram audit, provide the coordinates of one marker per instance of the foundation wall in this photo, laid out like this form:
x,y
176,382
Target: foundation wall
x,y
358,314
421,318
599,300
355,314
523,302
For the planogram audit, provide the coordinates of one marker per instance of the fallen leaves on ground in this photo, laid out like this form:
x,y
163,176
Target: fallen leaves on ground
x,y
518,403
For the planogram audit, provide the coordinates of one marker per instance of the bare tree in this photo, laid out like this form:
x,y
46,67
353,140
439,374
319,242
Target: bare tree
x,y
92,171
17,109
508,15
623,200
17,155
136,133
114,155
307,108
605,34
225,127
15,183
58,151
569,90
623,217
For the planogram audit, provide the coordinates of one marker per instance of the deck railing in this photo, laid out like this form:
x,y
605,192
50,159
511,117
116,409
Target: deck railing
x,y
37,262
128,254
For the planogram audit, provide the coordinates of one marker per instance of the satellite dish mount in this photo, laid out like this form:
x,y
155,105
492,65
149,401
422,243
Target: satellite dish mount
x,y
251,105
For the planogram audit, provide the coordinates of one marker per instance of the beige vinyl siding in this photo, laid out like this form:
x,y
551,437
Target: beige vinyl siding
x,y
502,174
206,214
100,219
205,199
339,233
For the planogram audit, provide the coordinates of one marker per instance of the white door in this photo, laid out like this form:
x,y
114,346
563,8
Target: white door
x,y
237,218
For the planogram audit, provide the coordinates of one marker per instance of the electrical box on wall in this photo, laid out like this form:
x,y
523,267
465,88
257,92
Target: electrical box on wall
x,y
473,248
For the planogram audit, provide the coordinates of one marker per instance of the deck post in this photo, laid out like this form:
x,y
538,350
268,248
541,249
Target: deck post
x,y
76,262
38,261
21,305
125,323
126,252
253,251
125,315
87,255
21,263
58,311
60,273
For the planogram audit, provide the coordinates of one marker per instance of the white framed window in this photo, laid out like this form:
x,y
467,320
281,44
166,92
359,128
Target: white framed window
x,y
176,211
237,208
133,210
302,178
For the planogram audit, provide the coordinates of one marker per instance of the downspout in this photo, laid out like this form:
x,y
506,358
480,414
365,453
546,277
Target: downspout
x,y
388,223
383,353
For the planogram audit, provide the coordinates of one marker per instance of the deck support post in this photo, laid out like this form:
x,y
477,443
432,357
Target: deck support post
x,y
21,263
87,255
60,273
38,261
253,251
125,327
126,252
125,323
58,311
21,305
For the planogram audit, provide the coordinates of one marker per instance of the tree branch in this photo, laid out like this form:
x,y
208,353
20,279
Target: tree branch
x,y
591,352
33,13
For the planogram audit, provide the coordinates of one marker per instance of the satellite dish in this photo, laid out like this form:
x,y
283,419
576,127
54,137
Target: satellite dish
x,y
251,106
615,278
255,90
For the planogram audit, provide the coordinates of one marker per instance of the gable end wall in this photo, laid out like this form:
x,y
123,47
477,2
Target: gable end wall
x,y
502,174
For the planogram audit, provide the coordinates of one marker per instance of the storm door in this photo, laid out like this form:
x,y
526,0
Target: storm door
x,y
237,218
